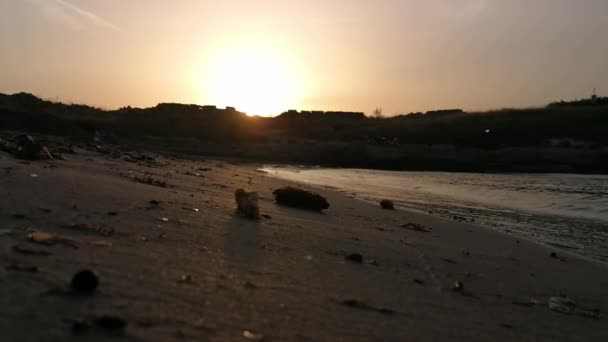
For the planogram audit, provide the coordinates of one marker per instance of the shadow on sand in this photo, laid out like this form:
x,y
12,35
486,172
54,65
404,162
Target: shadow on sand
x,y
241,245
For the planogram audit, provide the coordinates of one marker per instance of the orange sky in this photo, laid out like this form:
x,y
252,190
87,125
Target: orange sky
x,y
401,55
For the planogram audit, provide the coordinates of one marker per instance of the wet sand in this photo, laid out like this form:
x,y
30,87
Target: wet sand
x,y
177,274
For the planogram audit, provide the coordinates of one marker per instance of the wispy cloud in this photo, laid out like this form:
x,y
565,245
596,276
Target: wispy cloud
x,y
92,17
72,16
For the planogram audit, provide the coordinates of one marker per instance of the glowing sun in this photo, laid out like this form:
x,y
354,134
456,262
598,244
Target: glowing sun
x,y
258,79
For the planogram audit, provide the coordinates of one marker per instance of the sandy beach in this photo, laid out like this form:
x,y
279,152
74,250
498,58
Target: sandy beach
x,y
177,263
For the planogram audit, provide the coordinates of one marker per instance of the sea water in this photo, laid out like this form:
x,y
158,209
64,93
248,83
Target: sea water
x,y
562,210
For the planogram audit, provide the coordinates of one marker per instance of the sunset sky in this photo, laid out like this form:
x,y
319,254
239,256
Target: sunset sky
x,y
269,56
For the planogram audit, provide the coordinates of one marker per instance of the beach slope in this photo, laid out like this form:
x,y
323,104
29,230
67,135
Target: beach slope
x,y
176,262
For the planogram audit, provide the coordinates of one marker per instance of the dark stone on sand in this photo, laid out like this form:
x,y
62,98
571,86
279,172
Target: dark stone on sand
x,y
111,323
355,257
299,198
387,204
80,327
555,256
84,282
23,147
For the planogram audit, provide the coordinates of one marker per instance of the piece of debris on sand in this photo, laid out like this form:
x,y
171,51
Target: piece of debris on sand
x,y
150,181
417,227
247,203
458,286
102,230
184,279
5,231
106,323
252,336
566,305
527,302
387,204
299,198
102,243
357,304
27,251
49,239
21,268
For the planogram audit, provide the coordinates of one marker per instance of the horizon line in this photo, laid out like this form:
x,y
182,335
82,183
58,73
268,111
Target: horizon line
x,y
56,100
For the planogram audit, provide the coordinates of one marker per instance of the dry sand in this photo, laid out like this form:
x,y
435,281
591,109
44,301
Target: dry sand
x,y
284,278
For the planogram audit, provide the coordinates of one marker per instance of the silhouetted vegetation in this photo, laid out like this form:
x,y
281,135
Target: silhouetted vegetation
x,y
593,101
558,138
377,113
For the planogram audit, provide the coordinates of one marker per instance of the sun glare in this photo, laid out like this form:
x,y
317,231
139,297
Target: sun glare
x,y
258,79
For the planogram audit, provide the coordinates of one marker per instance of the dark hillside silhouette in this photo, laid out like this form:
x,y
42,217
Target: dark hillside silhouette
x,y
553,138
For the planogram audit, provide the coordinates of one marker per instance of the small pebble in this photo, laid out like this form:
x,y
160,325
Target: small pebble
x,y
85,282
250,335
458,286
186,278
111,323
80,327
249,285
355,257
